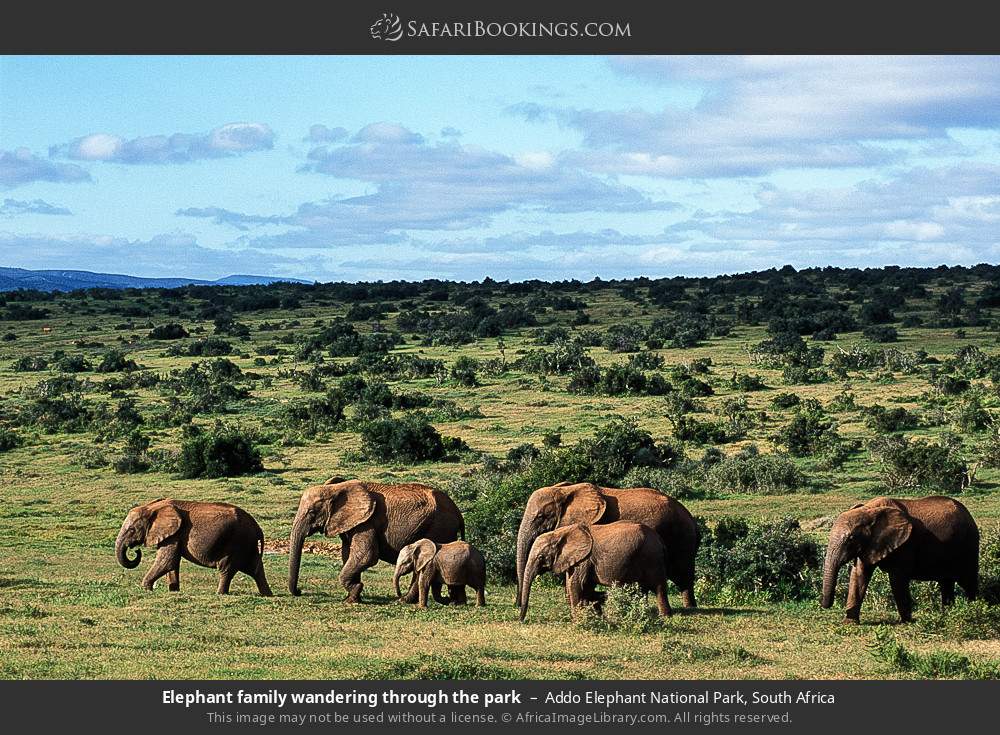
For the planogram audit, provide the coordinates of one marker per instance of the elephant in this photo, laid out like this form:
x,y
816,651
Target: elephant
x,y
549,508
216,535
928,539
374,521
622,552
457,564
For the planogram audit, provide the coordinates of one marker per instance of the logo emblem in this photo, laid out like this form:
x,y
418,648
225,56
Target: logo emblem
x,y
387,28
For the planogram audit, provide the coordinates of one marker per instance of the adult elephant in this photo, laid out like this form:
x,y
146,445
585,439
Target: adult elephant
x,y
374,521
927,539
560,505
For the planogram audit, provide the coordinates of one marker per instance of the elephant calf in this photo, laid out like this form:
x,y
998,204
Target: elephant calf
x,y
456,564
622,552
216,535
927,539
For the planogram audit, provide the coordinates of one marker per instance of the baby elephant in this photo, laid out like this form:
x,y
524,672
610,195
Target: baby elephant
x,y
216,535
622,552
456,564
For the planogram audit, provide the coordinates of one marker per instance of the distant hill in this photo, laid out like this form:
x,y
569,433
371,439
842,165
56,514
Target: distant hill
x,y
12,279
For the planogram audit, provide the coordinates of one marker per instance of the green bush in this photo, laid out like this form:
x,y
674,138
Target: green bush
x,y
884,420
626,609
171,330
464,371
809,432
9,439
315,415
743,560
221,451
116,361
786,400
754,473
410,438
989,565
909,464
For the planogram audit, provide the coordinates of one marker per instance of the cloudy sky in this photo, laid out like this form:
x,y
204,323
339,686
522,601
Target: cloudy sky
x,y
361,168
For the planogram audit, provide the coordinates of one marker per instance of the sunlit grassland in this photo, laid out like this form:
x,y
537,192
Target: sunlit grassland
x,y
67,610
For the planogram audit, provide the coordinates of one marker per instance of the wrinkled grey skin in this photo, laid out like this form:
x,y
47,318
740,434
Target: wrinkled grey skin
x,y
456,564
925,539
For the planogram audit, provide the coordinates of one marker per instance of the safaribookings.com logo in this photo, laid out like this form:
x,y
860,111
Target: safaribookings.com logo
x,y
390,28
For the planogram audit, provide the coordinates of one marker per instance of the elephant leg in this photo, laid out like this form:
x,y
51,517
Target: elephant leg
x,y
947,592
226,573
480,596
661,600
258,576
970,584
363,555
861,574
168,558
174,578
901,594
437,590
456,593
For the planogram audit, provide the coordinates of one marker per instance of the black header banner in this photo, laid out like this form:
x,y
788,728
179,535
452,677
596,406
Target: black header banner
x,y
514,27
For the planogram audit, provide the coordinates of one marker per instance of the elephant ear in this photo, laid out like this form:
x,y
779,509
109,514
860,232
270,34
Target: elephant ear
x,y
350,507
575,546
165,523
582,504
424,552
890,530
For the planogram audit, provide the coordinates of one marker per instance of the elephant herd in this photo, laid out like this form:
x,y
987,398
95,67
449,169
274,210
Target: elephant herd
x,y
590,534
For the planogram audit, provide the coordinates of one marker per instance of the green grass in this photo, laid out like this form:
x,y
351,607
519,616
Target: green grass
x,y
67,610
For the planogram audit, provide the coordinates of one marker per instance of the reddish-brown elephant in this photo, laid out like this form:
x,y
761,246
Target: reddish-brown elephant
x,y
616,553
926,539
373,521
549,508
216,535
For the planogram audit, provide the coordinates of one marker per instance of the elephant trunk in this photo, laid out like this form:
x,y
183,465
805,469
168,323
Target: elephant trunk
x,y
831,566
526,535
395,580
300,530
121,552
530,572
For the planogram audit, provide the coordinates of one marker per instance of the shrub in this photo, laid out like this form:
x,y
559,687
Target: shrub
x,y
68,413
464,371
316,415
908,464
884,420
562,359
410,438
809,432
786,400
116,361
221,451
135,456
747,383
204,347
880,333
171,330
969,415
9,439
626,609
989,565
28,364
754,473
743,560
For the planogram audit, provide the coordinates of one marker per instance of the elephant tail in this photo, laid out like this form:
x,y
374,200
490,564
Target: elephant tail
x,y
260,542
461,528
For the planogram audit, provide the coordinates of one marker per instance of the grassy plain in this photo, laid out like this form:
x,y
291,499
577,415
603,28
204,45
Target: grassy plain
x,y
67,610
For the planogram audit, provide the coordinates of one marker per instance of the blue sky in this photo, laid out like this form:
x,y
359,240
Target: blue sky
x,y
361,168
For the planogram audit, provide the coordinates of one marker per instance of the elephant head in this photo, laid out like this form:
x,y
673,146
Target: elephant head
x,y
332,509
868,532
558,551
149,524
413,559
554,506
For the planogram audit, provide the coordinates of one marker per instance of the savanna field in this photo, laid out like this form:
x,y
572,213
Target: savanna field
x,y
766,403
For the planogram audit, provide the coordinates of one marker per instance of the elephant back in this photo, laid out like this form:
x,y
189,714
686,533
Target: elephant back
x,y
413,511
